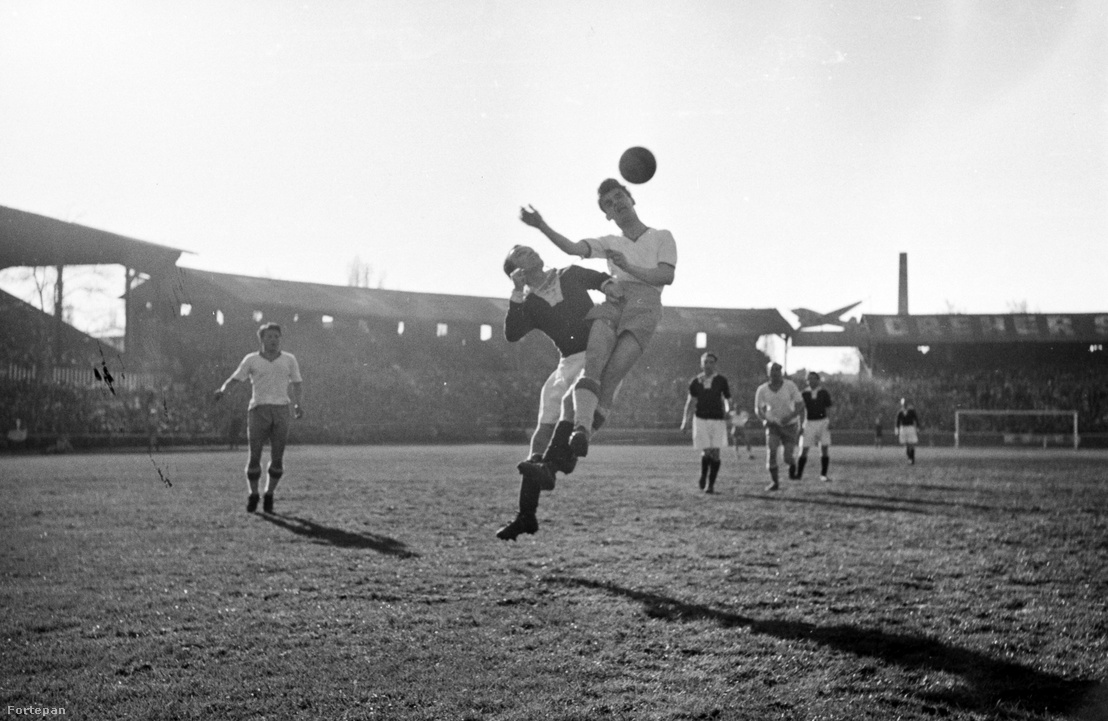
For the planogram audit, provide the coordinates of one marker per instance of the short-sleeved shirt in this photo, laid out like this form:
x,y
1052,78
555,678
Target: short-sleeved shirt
x,y
816,404
560,313
709,398
775,405
650,249
269,378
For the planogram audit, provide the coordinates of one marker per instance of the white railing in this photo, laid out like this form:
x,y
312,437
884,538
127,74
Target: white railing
x,y
958,415
80,376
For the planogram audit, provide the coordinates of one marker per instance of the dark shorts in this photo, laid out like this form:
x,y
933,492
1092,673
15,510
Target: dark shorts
x,y
783,437
268,423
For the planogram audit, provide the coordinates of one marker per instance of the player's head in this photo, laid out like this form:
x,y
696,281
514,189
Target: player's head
x,y
813,379
613,197
708,360
774,371
269,326
270,336
521,256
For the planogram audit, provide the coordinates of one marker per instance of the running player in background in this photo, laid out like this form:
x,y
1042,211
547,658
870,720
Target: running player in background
x,y
815,427
907,429
778,404
708,404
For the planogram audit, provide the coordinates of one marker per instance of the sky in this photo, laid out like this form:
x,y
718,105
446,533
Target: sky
x,y
801,146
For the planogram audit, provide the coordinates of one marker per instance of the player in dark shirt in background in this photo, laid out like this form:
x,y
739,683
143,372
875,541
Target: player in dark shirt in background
x,y
554,301
815,426
711,396
907,429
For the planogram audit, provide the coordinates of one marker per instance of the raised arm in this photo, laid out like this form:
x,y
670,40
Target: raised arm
x,y
531,217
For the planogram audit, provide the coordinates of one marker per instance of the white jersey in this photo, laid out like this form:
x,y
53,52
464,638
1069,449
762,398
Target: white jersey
x,y
270,378
651,248
778,404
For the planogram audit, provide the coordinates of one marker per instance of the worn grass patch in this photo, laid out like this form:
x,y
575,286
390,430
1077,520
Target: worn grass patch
x,y
973,585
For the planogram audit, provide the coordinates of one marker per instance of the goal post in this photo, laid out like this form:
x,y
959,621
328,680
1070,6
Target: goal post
x,y
1027,437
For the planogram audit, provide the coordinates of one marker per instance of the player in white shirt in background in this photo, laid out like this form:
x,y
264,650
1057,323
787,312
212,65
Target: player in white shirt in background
x,y
274,376
778,404
739,419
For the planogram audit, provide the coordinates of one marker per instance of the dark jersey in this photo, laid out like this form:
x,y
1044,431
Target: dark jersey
x,y
709,399
816,404
907,417
564,322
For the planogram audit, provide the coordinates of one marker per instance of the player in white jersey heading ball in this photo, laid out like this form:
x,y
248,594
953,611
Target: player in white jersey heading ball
x,y
643,260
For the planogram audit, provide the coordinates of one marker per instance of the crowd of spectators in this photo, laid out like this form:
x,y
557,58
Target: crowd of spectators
x,y
361,389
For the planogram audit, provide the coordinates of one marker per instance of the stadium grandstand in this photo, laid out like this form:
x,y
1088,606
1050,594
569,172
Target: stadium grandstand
x,y
1026,371
385,366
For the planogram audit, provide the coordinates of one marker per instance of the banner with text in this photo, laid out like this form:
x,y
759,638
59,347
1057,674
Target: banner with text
x,y
1042,327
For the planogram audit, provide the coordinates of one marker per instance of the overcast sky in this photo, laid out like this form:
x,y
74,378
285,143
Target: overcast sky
x,y
801,146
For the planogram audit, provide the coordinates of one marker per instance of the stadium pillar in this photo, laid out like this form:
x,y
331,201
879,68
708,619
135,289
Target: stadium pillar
x,y
128,279
59,308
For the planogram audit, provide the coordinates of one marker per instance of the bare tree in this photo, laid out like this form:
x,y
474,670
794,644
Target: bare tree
x,y
359,274
89,296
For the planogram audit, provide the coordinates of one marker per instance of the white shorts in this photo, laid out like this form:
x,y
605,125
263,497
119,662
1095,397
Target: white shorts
x,y
908,435
709,433
557,385
816,433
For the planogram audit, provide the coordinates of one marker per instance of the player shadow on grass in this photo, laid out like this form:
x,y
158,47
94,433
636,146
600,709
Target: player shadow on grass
x,y
892,505
988,682
339,537
914,501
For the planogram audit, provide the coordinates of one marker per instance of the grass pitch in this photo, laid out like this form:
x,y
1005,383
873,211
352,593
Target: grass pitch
x,y
973,585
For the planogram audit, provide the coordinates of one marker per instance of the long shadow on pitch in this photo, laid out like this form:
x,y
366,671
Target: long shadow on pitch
x,y
891,506
988,681
917,501
339,537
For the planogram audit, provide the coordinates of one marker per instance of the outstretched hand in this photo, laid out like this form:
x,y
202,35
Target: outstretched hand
x,y
530,216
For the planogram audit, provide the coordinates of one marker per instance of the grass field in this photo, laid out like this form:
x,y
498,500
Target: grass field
x,y
973,585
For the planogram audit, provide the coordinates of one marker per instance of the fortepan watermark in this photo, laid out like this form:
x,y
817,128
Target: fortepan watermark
x,y
35,711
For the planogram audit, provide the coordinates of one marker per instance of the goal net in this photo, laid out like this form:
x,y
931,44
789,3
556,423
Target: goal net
x,y
1016,428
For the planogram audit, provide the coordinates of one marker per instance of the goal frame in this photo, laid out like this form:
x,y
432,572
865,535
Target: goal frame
x,y
981,412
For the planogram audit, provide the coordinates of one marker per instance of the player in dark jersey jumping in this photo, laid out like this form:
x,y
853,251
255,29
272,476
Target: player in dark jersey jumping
x,y
556,302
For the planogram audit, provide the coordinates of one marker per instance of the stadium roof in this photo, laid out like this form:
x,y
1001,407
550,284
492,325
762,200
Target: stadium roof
x,y
27,239
350,302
